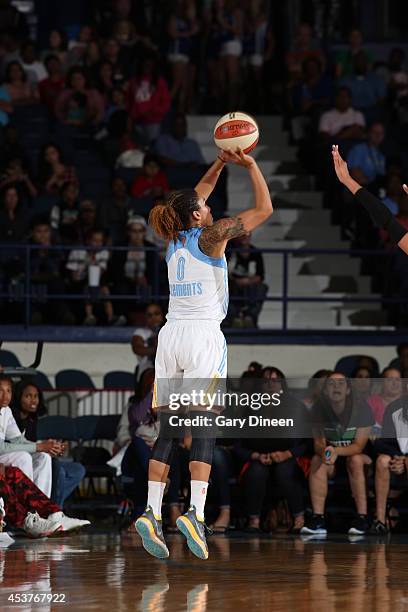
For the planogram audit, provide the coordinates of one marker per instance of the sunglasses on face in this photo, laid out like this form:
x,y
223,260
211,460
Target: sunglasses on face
x,y
153,314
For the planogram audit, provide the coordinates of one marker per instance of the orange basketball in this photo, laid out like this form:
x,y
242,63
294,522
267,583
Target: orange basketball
x,y
236,130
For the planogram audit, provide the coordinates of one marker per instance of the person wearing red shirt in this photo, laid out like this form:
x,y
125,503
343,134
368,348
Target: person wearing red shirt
x,y
152,182
51,87
148,99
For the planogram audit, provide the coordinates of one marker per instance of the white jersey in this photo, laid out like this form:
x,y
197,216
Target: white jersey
x,y
198,283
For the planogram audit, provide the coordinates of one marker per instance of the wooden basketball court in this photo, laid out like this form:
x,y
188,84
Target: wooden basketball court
x,y
106,571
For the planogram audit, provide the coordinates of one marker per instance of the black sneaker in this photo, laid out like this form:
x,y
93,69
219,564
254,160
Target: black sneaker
x,y
379,528
315,525
360,525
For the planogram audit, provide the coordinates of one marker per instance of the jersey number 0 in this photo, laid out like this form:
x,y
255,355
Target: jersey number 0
x,y
180,268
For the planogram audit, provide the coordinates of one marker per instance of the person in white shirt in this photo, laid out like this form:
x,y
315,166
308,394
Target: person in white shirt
x,y
87,269
33,458
342,121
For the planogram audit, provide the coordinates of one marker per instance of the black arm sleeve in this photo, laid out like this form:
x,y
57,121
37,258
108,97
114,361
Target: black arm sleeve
x,y
380,214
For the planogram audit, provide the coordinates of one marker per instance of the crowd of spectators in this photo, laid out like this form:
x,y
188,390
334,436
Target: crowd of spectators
x,y
346,454
93,131
358,102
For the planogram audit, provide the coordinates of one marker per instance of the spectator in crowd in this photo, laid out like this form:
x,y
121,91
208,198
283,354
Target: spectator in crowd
x,y
391,390
114,211
181,27
315,386
21,92
258,45
46,267
392,462
343,121
104,80
77,47
361,383
368,90
313,92
366,162
401,362
87,274
33,458
303,48
341,429
31,65
246,276
152,182
393,193
53,171
64,215
51,87
345,58
230,20
27,406
133,270
86,222
91,59
111,53
79,104
175,148
16,173
13,216
148,99
6,106
57,47
144,340
274,458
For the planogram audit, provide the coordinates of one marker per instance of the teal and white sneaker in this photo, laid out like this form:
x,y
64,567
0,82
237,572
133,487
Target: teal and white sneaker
x,y
151,531
195,531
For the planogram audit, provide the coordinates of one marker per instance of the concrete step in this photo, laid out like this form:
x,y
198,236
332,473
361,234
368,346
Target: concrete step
x,y
299,199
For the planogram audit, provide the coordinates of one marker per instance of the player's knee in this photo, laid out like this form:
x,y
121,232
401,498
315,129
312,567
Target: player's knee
x,y
163,450
43,459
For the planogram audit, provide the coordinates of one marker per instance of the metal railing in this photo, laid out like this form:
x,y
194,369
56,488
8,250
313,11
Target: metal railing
x,y
28,295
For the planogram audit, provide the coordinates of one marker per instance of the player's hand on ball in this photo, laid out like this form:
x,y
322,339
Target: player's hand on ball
x,y
237,157
340,165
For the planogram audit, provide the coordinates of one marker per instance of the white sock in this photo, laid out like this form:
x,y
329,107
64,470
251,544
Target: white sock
x,y
155,497
198,496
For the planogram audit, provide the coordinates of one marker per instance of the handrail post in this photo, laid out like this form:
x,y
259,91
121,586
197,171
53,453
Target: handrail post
x,y
285,282
27,286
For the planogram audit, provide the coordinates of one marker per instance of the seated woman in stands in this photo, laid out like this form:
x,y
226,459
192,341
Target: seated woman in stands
x,y
53,171
19,89
27,406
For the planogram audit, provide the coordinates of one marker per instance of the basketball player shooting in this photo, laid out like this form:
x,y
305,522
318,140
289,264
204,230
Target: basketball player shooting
x,y
191,344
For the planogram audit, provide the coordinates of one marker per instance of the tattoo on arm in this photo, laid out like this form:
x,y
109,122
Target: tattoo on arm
x,y
222,230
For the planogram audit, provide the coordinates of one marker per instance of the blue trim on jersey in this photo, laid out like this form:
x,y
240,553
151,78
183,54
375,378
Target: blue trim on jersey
x,y
221,367
226,299
191,244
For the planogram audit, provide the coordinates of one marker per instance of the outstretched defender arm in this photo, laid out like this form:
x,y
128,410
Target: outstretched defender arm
x,y
213,239
378,212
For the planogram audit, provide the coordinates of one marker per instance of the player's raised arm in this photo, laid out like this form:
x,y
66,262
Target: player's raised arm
x,y
206,185
378,212
214,238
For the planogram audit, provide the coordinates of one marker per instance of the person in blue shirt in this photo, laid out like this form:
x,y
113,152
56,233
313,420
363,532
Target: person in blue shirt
x,y
368,90
176,148
365,160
